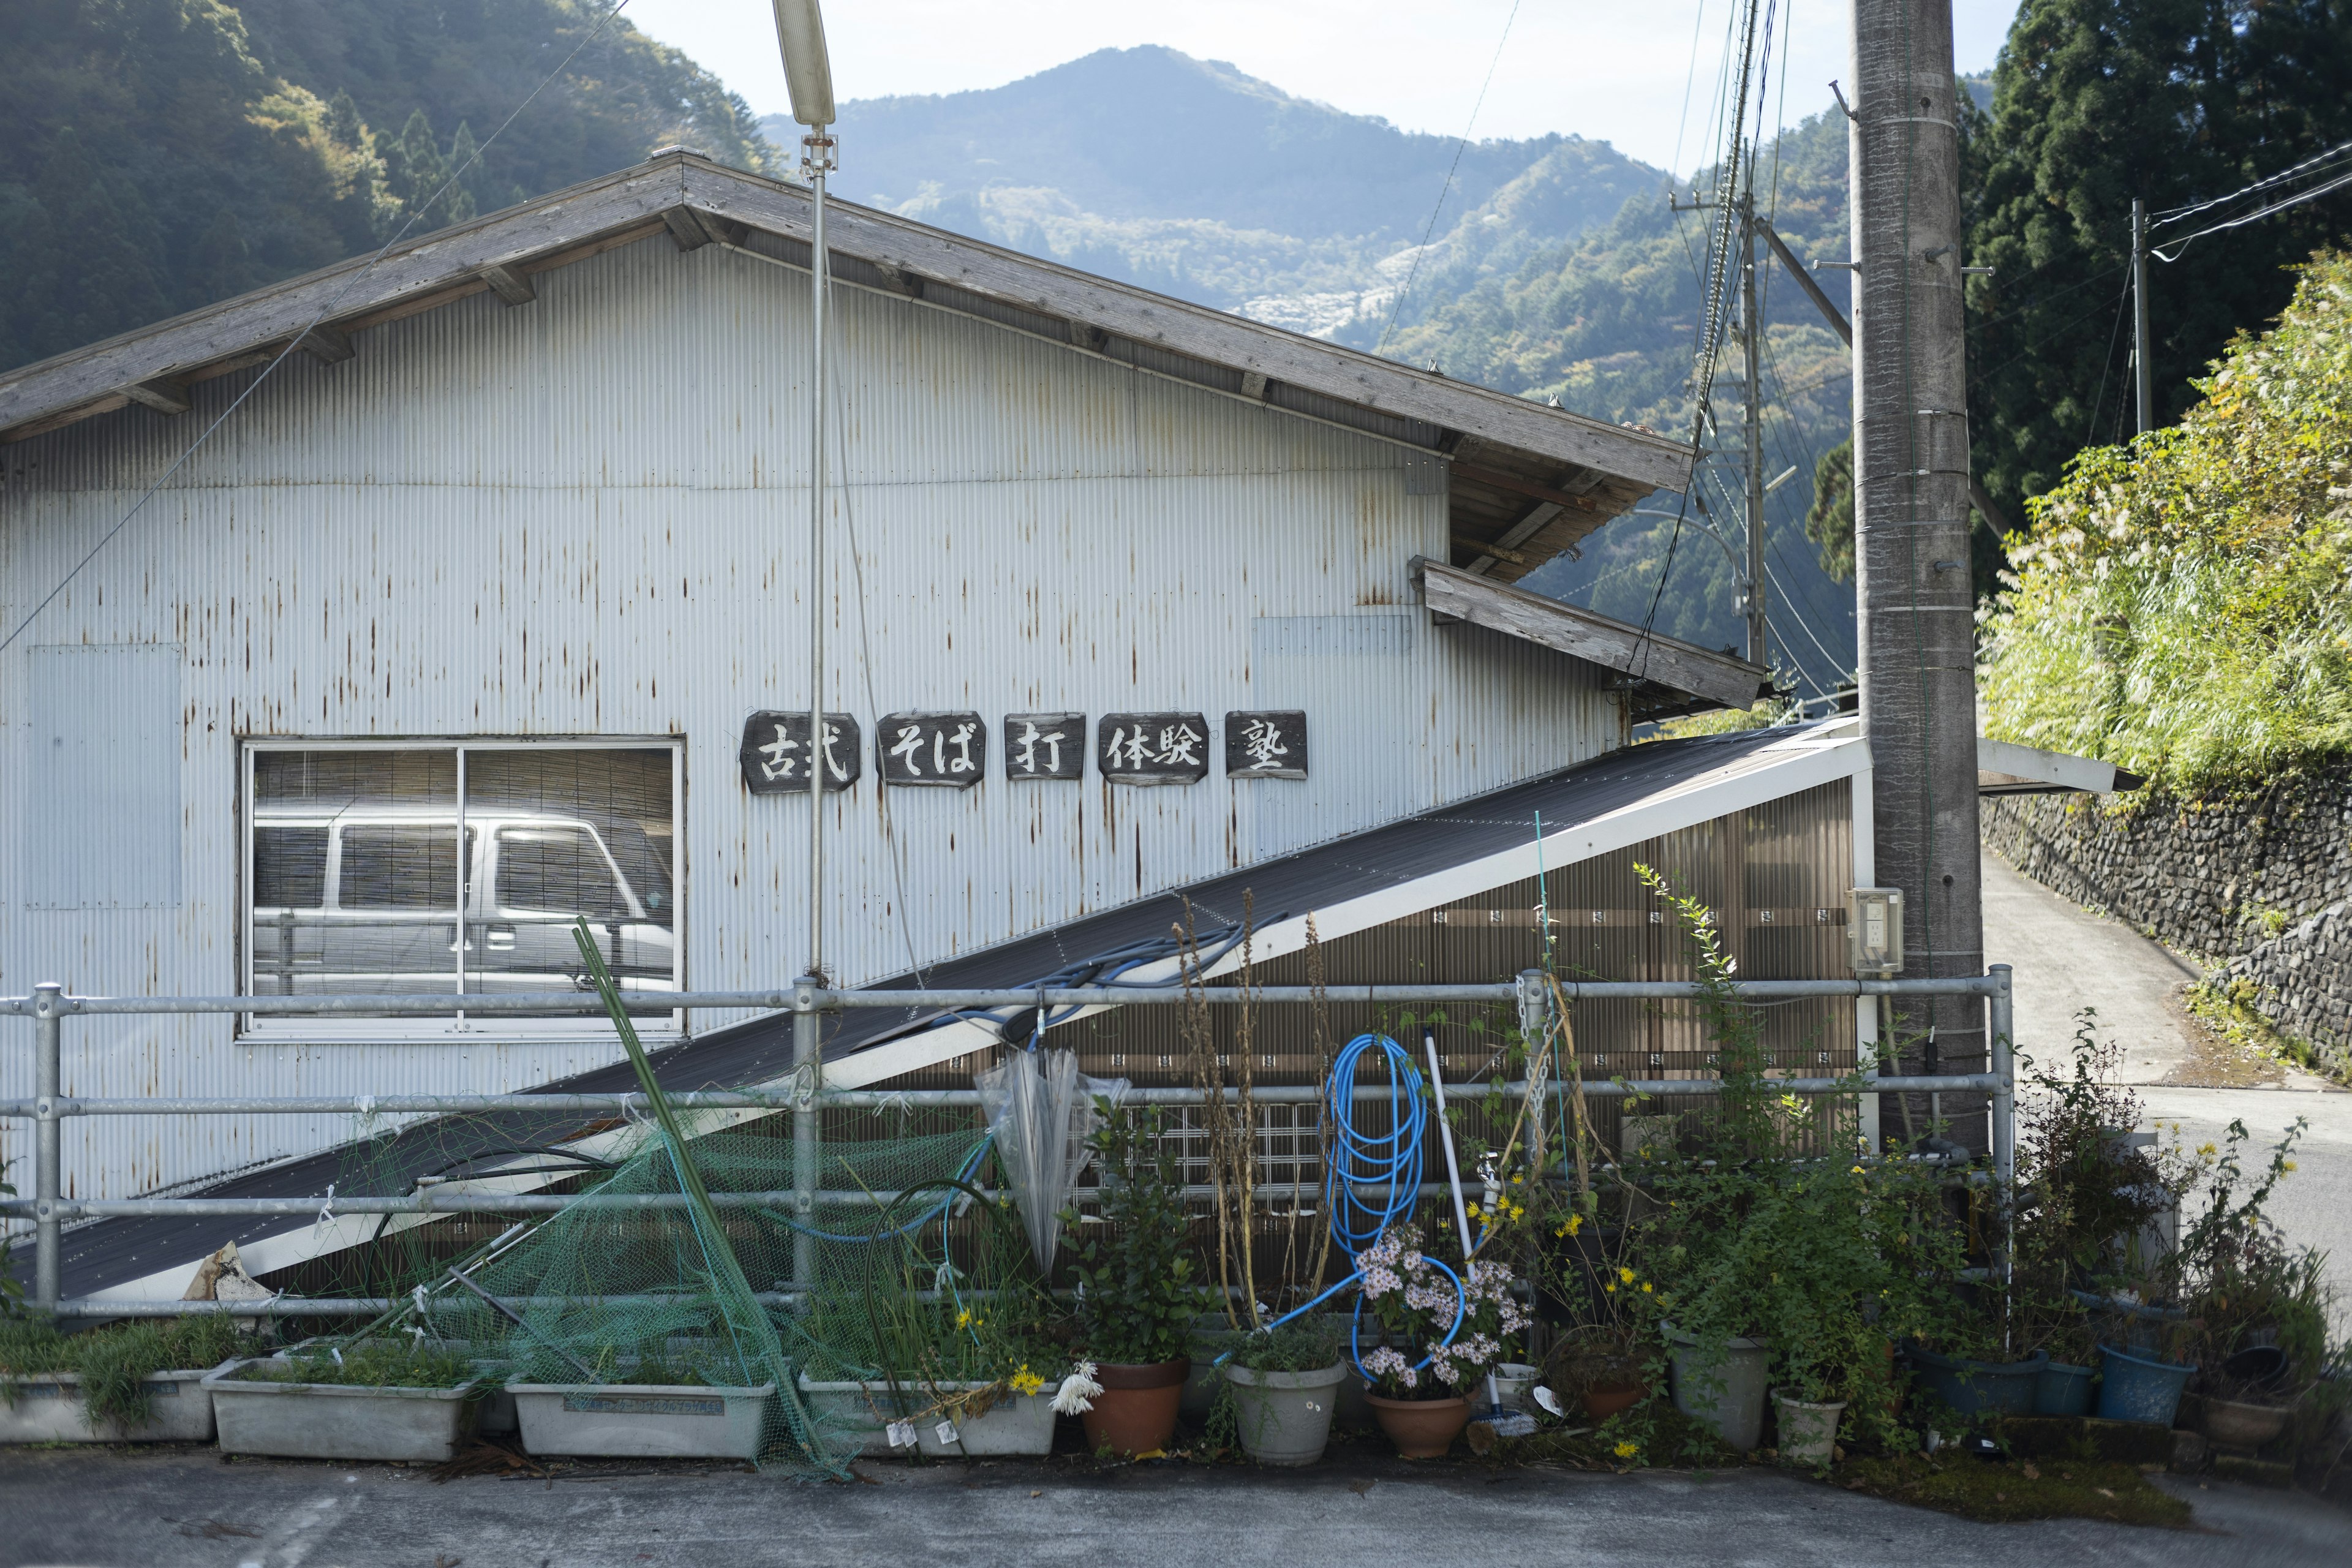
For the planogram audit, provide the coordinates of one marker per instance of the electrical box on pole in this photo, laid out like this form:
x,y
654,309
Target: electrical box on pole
x,y
1917,602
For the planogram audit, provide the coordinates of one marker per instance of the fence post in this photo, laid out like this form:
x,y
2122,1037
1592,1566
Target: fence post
x,y
808,1043
1535,1024
2003,1025
48,1183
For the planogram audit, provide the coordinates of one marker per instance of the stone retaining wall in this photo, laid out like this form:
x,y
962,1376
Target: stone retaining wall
x,y
2260,889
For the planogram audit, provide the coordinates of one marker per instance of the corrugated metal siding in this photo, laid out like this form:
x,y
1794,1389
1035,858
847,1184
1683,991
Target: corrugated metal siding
x,y
580,517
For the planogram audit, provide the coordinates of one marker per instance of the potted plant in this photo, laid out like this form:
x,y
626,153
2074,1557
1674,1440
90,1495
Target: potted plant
x,y
925,1356
667,1400
1286,1384
1137,1300
134,1382
1597,1356
1429,1364
370,1400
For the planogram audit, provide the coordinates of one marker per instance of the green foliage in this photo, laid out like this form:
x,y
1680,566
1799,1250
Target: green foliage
x,y
2236,1275
114,1363
156,155
1136,1295
374,1363
1303,1344
2095,103
1608,322
2180,605
1829,522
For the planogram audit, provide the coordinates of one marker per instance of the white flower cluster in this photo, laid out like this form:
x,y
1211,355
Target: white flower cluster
x,y
1384,1361
1491,1283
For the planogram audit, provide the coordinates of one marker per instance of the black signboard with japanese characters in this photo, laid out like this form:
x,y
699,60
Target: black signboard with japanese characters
x,y
1152,748
1267,744
774,755
1044,746
945,750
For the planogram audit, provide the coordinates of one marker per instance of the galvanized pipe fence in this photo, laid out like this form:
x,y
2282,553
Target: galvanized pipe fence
x,y
49,1006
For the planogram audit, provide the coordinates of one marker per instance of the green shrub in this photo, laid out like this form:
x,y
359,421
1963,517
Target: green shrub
x,y
2180,605
378,1363
114,1363
1303,1344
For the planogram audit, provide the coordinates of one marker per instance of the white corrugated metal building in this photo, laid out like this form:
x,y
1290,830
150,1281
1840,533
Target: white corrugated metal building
x,y
460,616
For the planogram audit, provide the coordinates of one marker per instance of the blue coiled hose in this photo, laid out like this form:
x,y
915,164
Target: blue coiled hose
x,y
1362,1160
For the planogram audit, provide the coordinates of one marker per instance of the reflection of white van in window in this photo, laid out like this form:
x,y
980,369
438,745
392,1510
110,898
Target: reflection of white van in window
x,y
366,899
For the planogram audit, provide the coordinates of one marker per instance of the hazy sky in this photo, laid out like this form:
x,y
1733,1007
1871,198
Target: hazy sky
x,y
1613,72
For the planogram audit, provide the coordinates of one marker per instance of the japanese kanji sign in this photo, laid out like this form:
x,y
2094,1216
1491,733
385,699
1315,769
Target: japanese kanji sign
x,y
774,755
1044,746
941,749
1271,744
1152,748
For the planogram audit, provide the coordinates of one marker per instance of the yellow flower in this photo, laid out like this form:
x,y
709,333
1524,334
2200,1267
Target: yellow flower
x,y
1645,1288
1025,1381
2205,1149
963,1319
2286,1165
1858,1169
1474,1208
1612,1287
1625,1274
1517,1180
1575,1224
1627,1451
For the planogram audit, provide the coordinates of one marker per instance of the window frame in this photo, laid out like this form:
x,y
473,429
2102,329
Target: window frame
x,y
456,1028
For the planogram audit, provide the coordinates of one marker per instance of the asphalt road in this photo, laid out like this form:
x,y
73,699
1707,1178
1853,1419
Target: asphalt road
x,y
2066,959
184,1506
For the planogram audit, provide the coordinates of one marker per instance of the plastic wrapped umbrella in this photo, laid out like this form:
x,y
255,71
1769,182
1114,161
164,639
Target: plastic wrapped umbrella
x,y
1041,1109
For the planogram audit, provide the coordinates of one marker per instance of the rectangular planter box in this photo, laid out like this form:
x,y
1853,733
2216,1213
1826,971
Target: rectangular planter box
x,y
48,1409
638,1420
1022,1424
330,1421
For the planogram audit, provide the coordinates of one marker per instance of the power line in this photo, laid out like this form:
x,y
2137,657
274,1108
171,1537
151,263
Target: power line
x,y
1413,271
2279,206
292,343
2309,165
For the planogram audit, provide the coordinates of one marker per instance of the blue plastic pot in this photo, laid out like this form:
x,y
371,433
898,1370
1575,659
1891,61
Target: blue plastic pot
x,y
2140,1388
2063,1390
1980,1387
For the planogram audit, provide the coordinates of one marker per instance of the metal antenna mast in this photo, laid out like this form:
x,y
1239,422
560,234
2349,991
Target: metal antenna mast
x,y
800,34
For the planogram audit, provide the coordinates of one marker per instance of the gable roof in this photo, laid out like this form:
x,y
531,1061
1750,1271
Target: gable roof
x,y
1526,481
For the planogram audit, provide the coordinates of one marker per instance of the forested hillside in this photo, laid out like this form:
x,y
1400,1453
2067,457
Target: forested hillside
x,y
1610,326
1191,178
156,155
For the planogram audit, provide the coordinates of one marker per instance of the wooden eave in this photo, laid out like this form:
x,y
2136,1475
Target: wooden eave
x,y
1526,479
1668,676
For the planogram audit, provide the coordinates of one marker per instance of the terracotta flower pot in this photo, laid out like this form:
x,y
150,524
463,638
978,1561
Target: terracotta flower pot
x,y
1421,1428
1136,1412
1603,1400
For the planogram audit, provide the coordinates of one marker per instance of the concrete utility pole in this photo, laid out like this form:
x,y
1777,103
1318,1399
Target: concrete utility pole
x,y
1911,519
1751,343
2141,373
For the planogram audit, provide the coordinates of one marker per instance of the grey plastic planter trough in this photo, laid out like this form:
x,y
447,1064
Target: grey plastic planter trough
x,y
333,1421
641,1420
47,1408
862,1413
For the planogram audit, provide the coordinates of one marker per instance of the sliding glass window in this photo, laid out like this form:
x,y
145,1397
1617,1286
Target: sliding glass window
x,y
457,868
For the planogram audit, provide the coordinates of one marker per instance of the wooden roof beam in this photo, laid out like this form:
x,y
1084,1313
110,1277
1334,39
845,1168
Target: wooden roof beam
x,y
325,344
1644,655
512,284
162,397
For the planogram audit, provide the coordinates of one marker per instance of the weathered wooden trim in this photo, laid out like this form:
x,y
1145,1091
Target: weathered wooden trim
x,y
162,397
1236,341
1518,486
423,268
326,344
697,202
62,418
511,285
1663,661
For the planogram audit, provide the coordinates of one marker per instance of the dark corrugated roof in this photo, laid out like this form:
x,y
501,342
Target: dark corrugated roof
x,y
113,1252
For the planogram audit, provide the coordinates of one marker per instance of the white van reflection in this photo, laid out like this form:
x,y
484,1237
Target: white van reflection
x,y
366,899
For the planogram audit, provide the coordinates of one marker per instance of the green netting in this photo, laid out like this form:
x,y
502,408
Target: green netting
x,y
601,1295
